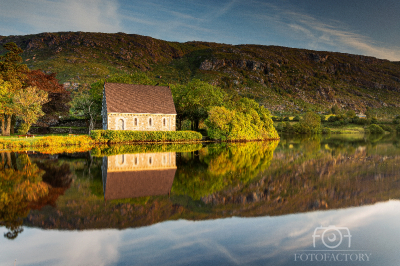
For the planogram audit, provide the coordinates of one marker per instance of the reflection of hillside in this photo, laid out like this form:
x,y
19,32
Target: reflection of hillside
x,y
304,175
138,175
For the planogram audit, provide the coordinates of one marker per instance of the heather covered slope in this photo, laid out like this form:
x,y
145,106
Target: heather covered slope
x,y
283,79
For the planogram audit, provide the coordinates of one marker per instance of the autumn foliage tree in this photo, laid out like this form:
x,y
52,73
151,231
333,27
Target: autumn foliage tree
x,y
12,76
28,106
28,94
58,96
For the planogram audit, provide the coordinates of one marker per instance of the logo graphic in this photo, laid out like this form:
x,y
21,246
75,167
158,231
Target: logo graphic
x,y
331,236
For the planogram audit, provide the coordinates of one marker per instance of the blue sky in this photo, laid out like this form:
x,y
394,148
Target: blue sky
x,y
365,27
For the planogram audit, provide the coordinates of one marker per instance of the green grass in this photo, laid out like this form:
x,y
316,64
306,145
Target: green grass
x,y
346,129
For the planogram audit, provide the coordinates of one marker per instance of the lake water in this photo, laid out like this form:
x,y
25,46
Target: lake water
x,y
300,201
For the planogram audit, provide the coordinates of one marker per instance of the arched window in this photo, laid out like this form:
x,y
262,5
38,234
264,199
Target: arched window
x,y
164,122
121,124
150,160
135,122
150,122
165,160
121,159
136,160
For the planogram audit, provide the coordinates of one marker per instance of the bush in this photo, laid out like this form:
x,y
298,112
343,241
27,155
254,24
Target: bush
x,y
396,121
286,118
333,118
326,130
280,126
375,129
144,136
296,118
398,129
337,123
387,128
287,127
245,121
351,114
310,123
363,121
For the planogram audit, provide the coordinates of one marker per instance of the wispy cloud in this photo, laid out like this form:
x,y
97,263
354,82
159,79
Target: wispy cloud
x,y
63,15
331,34
320,35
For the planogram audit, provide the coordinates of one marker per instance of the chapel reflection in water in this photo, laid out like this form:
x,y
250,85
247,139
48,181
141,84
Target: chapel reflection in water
x,y
138,175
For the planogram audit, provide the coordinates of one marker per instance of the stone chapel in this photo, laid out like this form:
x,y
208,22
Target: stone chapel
x,y
138,107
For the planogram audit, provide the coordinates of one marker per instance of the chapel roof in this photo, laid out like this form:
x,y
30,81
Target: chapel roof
x,y
133,184
145,99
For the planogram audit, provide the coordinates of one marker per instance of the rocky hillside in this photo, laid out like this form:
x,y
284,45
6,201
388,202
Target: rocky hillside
x,y
283,79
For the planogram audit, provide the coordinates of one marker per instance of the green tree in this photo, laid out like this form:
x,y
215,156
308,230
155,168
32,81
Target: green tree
x,y
369,113
335,110
85,105
195,99
310,123
245,120
351,114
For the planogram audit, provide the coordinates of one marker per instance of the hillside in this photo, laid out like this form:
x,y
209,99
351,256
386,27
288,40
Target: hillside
x,y
283,79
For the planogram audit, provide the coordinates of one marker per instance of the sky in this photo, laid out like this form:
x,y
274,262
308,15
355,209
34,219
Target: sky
x,y
366,27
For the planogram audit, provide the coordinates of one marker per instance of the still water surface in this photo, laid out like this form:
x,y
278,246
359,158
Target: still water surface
x,y
321,201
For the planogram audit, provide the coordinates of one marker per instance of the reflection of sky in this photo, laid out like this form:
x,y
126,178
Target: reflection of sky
x,y
231,241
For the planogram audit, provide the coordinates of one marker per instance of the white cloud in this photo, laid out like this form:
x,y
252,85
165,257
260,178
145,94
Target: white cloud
x,y
63,15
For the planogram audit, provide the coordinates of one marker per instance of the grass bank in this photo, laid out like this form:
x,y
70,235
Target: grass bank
x,y
48,144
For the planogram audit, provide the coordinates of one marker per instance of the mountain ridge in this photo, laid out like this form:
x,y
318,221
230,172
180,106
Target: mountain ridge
x,y
281,78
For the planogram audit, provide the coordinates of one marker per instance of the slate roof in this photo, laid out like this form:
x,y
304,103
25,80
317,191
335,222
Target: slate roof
x,y
133,184
144,99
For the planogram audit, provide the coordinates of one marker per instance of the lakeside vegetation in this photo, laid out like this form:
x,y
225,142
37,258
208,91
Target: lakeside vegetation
x,y
216,112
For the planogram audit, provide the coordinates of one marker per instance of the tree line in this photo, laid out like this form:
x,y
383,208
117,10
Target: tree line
x,y
26,95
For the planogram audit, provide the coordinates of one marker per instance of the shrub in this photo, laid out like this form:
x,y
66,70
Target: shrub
x,y
375,129
245,121
326,130
333,118
363,121
351,114
337,123
279,127
287,127
276,119
296,118
144,136
374,120
396,121
286,118
398,129
310,123
387,128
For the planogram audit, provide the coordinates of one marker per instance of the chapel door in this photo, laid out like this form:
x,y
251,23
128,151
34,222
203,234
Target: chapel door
x,y
121,124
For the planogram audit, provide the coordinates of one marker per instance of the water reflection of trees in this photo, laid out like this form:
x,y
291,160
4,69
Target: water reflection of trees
x,y
25,185
218,166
